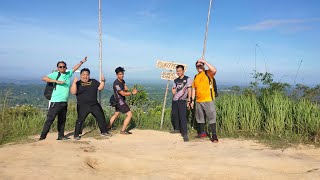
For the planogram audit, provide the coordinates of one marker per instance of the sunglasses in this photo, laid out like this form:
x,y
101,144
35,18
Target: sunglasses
x,y
62,67
199,66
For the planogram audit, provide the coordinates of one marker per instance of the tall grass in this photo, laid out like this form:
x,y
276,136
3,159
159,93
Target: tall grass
x,y
273,114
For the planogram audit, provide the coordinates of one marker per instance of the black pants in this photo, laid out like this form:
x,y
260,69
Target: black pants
x,y
179,116
56,109
83,111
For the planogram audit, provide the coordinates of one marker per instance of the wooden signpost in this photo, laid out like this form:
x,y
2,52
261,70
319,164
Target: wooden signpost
x,y
169,65
169,76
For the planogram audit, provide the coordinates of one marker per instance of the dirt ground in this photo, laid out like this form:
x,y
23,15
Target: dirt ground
x,y
150,154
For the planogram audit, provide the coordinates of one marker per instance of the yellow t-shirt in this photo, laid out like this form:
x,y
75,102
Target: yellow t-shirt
x,y
202,87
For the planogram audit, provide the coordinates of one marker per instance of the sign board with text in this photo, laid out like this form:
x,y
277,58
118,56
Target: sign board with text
x,y
169,65
168,76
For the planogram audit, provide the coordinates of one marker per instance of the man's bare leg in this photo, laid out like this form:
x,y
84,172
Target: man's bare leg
x,y
126,121
113,118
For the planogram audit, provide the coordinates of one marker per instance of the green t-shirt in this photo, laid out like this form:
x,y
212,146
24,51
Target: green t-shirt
x,y
61,92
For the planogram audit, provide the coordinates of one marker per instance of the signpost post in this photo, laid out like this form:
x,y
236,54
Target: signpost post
x,y
169,76
164,104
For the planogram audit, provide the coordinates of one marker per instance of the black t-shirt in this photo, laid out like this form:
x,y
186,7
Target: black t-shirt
x,y
87,91
117,87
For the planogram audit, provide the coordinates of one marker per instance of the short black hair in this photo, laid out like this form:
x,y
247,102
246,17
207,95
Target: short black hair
x,y
85,69
197,63
119,70
180,66
61,62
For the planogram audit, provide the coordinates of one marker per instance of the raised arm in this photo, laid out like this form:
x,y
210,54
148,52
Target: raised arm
x,y
211,68
73,89
76,67
102,83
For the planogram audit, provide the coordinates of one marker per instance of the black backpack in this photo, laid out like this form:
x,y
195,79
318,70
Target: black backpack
x,y
213,82
113,101
49,88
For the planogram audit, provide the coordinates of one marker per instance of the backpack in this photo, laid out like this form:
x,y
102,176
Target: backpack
x,y
113,101
211,82
49,88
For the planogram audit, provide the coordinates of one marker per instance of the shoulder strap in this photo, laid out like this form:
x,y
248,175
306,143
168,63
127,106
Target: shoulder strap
x,y
206,72
55,84
214,83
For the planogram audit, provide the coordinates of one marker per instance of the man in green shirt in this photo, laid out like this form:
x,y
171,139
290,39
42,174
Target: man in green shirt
x,y
59,99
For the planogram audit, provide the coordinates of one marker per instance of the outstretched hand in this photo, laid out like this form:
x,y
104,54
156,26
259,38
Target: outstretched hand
x,y
84,59
134,91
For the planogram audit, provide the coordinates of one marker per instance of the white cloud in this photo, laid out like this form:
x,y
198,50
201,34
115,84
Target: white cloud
x,y
298,24
147,14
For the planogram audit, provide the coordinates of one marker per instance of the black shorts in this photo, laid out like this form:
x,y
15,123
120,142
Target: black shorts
x,y
123,108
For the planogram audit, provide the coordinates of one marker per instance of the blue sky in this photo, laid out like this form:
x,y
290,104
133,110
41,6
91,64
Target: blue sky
x,y
35,34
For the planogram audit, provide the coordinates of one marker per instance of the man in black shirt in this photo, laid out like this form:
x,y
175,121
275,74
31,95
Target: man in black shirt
x,y
86,91
120,92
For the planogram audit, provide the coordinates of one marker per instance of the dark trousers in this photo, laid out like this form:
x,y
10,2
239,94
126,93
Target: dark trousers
x,y
56,109
83,111
179,116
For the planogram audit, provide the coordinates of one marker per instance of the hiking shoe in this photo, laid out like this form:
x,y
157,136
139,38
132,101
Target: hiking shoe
x,y
63,138
185,138
125,132
202,135
106,134
113,128
175,131
214,138
77,138
41,139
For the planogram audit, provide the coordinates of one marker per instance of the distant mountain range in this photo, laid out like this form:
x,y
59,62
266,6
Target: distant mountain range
x,y
129,81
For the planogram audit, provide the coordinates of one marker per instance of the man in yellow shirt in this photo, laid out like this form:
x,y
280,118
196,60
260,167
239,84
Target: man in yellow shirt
x,y
203,91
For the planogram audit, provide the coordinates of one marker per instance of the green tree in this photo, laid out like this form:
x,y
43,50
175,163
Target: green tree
x,y
140,99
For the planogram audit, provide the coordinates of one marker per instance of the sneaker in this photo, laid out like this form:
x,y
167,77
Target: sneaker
x,y
106,134
63,138
125,132
41,139
112,128
202,135
77,138
175,131
214,138
185,138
